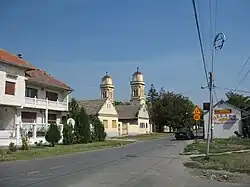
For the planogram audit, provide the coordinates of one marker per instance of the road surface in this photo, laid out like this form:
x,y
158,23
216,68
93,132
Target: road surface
x,y
153,163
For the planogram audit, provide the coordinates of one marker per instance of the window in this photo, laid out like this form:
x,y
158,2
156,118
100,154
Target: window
x,y
52,118
146,125
51,96
142,125
10,88
28,117
114,125
30,92
105,123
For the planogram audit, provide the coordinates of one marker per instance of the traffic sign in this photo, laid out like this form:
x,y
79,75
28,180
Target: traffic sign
x,y
197,117
196,110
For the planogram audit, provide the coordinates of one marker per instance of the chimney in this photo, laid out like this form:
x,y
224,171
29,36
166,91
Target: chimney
x,y
19,56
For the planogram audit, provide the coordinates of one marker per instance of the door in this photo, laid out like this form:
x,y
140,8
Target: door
x,y
124,129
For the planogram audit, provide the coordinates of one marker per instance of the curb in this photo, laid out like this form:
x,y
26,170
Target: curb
x,y
214,154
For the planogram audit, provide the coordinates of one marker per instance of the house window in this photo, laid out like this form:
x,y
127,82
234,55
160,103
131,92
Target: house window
x,y
52,96
28,117
146,125
105,123
52,118
30,92
114,125
142,125
10,88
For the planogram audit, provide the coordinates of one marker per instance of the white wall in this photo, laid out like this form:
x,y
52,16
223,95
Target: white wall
x,y
7,117
224,130
18,98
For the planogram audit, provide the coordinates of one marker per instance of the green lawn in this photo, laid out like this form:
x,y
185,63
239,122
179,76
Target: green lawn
x,y
40,152
219,145
145,136
235,162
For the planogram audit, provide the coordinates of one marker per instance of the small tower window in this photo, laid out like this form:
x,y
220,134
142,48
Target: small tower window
x,y
104,95
135,92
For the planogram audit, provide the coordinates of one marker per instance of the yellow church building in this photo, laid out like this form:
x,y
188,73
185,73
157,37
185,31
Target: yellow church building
x,y
123,119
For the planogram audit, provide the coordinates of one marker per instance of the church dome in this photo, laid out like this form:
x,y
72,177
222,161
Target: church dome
x,y
107,80
137,76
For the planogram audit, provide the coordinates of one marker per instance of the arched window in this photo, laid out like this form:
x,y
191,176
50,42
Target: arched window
x,y
104,94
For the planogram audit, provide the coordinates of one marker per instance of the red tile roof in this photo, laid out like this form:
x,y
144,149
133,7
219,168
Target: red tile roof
x,y
9,58
33,74
42,77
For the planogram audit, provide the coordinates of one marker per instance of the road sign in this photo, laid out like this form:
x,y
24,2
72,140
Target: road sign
x,y
196,110
197,117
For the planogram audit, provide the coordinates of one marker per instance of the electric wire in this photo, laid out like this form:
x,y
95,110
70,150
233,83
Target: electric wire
x,y
240,72
233,90
200,41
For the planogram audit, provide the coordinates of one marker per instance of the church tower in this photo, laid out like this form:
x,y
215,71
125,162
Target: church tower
x,y
137,88
107,87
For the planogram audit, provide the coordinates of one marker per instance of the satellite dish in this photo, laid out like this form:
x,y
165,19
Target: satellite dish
x,y
71,121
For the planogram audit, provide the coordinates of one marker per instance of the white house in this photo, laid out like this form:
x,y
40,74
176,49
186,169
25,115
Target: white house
x,y
226,120
29,99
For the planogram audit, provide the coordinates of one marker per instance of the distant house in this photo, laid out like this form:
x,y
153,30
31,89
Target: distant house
x,y
105,111
226,120
134,119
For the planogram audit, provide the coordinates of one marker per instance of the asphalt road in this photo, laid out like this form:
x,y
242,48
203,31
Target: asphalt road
x,y
153,163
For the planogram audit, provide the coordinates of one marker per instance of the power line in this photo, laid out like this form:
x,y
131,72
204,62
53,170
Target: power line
x,y
200,41
233,90
240,72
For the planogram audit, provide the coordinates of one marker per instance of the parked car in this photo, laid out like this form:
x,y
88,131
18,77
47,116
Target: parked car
x,y
184,134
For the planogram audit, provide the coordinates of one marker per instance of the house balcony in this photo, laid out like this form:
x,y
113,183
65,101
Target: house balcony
x,y
45,104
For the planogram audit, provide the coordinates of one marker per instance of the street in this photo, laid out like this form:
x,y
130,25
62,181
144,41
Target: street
x,y
154,163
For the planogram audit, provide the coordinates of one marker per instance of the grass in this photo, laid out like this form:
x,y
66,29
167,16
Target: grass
x,y
41,152
144,136
219,145
235,162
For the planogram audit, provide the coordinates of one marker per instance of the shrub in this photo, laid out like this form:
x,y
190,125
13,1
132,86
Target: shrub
x,y
39,144
68,134
99,130
12,147
25,142
53,135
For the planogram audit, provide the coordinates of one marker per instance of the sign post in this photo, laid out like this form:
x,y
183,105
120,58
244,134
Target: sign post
x,y
197,116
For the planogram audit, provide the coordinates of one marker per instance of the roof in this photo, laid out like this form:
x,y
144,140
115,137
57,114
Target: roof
x,y
222,101
127,111
92,107
33,74
14,60
40,76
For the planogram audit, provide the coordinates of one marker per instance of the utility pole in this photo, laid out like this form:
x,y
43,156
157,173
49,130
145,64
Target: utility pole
x,y
210,87
218,44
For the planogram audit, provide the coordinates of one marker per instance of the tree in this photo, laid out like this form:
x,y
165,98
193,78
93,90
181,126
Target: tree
x,y
242,102
68,134
53,135
73,109
99,130
169,108
82,131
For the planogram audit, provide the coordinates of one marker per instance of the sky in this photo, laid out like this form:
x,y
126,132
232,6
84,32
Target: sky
x,y
78,41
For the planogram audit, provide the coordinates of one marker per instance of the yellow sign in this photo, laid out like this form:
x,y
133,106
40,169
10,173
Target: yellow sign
x,y
197,117
196,110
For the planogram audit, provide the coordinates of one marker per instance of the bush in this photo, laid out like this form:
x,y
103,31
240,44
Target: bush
x,y
68,134
39,144
53,135
25,142
99,130
12,147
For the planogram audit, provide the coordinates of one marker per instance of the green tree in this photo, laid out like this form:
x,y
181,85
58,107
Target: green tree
x,y
73,109
99,130
53,135
238,100
82,131
68,134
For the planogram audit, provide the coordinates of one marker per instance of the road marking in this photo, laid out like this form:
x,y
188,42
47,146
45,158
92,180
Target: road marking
x,y
3,179
55,167
33,172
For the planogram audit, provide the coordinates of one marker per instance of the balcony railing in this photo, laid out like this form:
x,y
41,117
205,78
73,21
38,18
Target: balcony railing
x,y
45,104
